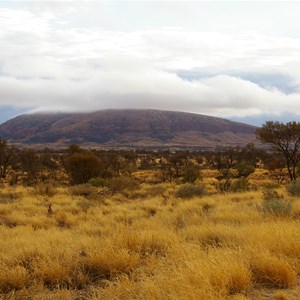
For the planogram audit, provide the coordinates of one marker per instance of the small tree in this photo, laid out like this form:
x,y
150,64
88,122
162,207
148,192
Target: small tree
x,y
284,139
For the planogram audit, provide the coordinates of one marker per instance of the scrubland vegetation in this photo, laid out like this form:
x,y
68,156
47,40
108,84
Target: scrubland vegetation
x,y
148,225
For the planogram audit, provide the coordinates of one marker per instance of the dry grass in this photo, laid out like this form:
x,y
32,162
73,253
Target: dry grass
x,y
157,247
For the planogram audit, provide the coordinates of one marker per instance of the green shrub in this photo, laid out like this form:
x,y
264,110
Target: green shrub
x,y
239,185
275,204
97,182
188,191
294,189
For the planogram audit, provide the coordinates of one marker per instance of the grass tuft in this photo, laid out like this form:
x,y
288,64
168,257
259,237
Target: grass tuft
x,y
271,271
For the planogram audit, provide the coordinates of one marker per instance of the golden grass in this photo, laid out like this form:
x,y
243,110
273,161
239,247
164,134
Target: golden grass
x,y
157,247
272,271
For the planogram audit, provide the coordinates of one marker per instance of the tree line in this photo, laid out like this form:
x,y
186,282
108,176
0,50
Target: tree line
x,y
76,165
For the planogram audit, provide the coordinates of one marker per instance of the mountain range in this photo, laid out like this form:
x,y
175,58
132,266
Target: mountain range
x,y
127,128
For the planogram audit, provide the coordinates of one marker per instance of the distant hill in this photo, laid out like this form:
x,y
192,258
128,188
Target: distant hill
x,y
127,128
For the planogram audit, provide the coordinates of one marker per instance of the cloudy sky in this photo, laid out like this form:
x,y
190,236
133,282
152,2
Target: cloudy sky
x,y
238,60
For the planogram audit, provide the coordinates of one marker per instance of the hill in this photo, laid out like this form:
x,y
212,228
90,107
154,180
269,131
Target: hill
x,y
127,128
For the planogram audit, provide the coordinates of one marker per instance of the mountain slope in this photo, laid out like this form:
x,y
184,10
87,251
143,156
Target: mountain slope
x,y
136,128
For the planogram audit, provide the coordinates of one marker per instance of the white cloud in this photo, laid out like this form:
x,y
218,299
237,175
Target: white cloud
x,y
49,61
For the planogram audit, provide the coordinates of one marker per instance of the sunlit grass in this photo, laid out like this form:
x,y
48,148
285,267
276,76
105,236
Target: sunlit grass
x,y
157,247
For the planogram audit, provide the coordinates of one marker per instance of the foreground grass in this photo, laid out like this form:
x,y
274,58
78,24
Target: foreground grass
x,y
153,247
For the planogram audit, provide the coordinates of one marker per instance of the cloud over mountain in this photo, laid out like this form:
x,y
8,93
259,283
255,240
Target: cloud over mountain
x,y
51,59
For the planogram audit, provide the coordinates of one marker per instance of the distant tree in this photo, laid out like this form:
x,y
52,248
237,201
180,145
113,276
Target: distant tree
x,y
50,163
285,140
31,165
179,161
277,169
6,155
191,174
251,154
244,169
83,166
167,172
223,158
73,148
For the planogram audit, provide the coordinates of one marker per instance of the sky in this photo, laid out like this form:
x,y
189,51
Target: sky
x,y
238,60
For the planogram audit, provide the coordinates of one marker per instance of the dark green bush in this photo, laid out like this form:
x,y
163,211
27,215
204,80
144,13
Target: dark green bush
x,y
97,182
191,174
82,167
244,169
188,191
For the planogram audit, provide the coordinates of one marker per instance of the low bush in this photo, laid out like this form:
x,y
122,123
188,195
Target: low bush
x,y
233,186
155,190
275,204
84,190
122,185
223,186
240,185
45,189
9,197
294,188
191,174
244,169
270,185
188,191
